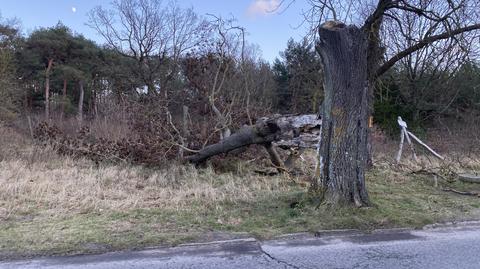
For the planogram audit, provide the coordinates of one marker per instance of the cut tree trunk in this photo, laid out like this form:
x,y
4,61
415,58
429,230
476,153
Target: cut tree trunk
x,y
80,101
344,150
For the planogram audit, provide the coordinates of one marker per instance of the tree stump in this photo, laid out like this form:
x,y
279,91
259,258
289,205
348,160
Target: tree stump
x,y
343,151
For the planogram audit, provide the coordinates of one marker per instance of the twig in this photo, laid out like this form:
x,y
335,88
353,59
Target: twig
x,y
462,192
427,172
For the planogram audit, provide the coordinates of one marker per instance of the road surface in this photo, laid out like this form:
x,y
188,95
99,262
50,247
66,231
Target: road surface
x,y
447,247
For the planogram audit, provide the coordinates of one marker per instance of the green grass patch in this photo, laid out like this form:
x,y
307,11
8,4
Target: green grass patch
x,y
409,202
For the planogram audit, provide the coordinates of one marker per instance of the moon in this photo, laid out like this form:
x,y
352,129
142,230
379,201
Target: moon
x,y
74,9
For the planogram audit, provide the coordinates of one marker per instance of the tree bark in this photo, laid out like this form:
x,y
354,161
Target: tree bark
x,y
286,131
261,133
80,101
47,89
343,150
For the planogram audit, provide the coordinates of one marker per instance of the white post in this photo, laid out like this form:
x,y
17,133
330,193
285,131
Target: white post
x,y
407,134
403,127
400,149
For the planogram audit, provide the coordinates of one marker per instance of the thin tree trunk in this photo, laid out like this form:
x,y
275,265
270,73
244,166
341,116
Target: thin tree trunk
x,y
225,132
343,151
95,103
93,100
80,101
47,89
64,97
185,132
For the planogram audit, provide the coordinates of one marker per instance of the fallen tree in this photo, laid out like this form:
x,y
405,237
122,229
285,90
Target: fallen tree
x,y
284,131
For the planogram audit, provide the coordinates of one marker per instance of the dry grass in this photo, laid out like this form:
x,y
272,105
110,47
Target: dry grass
x,y
64,187
52,204
35,179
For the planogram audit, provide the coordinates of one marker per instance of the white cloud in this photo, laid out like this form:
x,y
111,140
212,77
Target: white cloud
x,y
74,9
263,7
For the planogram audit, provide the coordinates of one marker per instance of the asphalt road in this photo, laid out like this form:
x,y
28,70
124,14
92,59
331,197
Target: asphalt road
x,y
446,247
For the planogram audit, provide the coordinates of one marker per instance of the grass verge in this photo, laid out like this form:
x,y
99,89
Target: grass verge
x,y
51,205
43,229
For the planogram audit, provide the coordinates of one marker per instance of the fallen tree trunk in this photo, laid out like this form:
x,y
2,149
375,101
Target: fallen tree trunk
x,y
469,178
284,131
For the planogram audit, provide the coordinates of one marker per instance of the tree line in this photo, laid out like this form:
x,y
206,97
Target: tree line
x,y
181,53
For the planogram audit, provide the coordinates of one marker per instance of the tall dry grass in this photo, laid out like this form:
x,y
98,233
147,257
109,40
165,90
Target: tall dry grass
x,y
66,186
113,126
36,181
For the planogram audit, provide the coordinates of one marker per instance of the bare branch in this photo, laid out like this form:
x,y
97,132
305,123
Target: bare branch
x,y
421,44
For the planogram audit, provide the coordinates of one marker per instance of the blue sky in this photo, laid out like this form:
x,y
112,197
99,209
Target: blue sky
x,y
269,30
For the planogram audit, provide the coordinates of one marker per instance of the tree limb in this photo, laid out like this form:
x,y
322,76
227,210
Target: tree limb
x,y
422,43
376,16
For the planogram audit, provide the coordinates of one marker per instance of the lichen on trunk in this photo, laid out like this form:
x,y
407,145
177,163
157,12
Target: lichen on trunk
x,y
343,151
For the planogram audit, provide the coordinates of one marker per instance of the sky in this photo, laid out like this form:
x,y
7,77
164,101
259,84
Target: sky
x,y
269,30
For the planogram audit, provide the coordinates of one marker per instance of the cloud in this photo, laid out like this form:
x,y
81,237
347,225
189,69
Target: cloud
x,y
74,9
263,7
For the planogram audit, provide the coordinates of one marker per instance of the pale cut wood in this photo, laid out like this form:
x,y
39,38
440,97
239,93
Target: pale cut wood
x,y
403,130
400,148
414,154
425,146
469,178
30,126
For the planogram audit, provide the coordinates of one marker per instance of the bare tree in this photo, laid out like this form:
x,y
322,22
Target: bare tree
x,y
212,71
153,35
353,59
425,73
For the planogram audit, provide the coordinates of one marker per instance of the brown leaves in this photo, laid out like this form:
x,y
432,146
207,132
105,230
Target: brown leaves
x,y
147,150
